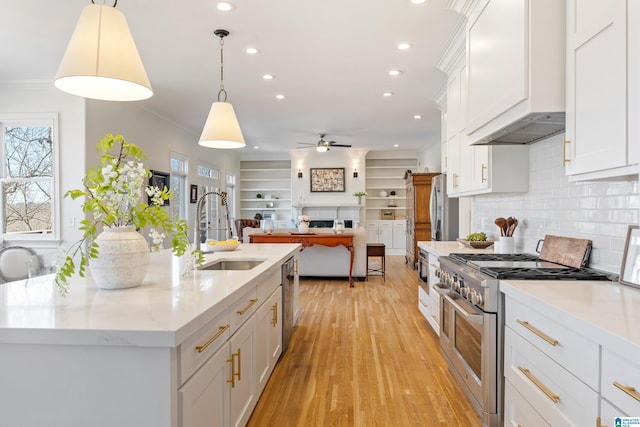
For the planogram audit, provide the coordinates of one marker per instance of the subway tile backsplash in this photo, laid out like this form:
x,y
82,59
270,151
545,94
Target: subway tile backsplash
x,y
599,210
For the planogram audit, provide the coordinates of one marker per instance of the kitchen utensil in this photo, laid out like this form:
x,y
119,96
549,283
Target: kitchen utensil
x,y
501,223
509,225
566,251
514,226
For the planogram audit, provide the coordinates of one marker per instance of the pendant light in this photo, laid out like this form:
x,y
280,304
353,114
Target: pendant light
x,y
221,130
101,60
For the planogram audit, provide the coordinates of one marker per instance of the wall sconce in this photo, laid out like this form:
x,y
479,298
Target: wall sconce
x,y
355,173
299,173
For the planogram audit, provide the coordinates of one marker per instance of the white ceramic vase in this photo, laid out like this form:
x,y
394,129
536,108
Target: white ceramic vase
x,y
303,227
123,258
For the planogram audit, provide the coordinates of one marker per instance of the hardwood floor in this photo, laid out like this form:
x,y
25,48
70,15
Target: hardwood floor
x,y
363,356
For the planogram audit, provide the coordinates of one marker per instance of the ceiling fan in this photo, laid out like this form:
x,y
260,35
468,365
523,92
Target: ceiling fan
x,y
322,145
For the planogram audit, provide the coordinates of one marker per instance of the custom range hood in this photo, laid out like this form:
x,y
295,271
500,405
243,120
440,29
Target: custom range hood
x,y
527,130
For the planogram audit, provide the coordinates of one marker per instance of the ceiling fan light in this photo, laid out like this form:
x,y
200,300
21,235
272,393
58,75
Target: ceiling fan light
x,y
322,148
222,130
101,60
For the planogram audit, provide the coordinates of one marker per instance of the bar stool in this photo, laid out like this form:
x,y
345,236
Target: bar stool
x,y
375,250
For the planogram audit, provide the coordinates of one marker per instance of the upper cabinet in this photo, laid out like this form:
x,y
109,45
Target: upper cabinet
x,y
602,133
515,64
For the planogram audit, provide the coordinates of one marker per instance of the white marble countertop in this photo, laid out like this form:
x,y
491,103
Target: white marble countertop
x,y
445,248
163,311
606,312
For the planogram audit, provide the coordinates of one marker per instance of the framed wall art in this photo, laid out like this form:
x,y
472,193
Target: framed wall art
x,y
160,180
630,270
327,180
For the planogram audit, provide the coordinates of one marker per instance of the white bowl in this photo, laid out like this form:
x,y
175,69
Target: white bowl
x,y
222,246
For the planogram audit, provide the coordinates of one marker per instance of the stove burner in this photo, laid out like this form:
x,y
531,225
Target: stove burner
x,y
464,258
564,273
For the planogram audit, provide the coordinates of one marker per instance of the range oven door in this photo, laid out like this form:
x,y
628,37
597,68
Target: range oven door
x,y
468,341
423,270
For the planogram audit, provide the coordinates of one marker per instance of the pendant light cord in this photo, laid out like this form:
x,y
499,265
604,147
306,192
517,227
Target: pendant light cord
x,y
222,92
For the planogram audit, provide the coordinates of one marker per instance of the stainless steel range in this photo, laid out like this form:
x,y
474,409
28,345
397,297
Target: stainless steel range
x,y
471,319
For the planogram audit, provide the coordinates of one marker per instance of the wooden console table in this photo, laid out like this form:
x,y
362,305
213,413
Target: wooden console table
x,y
323,239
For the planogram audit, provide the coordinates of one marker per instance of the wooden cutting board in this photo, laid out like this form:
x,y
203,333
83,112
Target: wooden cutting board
x,y
566,251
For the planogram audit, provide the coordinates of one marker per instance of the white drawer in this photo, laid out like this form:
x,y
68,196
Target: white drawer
x,y
386,224
540,380
575,352
243,308
626,374
517,411
608,414
371,224
399,223
196,349
270,281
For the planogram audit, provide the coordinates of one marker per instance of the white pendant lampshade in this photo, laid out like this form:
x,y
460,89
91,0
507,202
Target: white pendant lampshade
x,y
221,130
101,60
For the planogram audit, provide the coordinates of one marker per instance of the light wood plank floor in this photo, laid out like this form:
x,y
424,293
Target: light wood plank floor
x,y
363,356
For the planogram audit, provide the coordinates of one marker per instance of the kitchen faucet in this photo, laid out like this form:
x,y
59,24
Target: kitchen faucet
x,y
197,236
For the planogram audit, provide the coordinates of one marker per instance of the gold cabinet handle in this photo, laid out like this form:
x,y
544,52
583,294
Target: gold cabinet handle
x,y
482,173
295,265
599,423
564,151
539,333
203,347
274,318
554,397
247,307
239,365
455,180
233,368
631,391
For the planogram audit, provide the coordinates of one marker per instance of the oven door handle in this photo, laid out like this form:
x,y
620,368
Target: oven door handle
x,y
440,289
470,317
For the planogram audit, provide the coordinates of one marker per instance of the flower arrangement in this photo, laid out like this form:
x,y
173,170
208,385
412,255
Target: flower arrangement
x,y
113,198
360,193
304,218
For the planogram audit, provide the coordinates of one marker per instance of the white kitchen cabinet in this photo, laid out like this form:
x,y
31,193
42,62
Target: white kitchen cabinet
x,y
499,169
515,63
244,375
620,382
269,337
434,295
399,228
204,399
601,139
458,149
519,412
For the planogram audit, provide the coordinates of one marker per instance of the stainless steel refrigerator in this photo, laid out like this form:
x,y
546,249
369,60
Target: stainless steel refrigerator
x,y
443,210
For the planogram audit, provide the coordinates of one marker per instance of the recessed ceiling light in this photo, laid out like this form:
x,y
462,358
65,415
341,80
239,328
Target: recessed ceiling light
x,y
225,6
418,1
404,46
279,96
387,94
417,116
268,76
255,147
251,50
395,72
395,146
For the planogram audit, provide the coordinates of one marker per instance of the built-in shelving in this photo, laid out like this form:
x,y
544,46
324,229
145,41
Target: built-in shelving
x,y
387,175
271,179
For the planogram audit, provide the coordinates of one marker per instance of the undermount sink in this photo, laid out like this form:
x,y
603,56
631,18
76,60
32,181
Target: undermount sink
x,y
232,264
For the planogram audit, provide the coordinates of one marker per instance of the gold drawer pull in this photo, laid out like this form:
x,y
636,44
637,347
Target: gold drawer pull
x,y
234,374
554,397
631,391
599,423
247,307
274,318
564,151
539,333
203,347
482,175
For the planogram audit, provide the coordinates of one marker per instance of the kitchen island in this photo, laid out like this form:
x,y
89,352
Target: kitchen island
x,y
571,352
146,355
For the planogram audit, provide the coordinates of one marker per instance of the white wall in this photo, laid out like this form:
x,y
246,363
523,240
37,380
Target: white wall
x,y
599,211
45,98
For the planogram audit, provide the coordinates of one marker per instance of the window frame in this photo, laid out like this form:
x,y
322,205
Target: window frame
x,y
24,120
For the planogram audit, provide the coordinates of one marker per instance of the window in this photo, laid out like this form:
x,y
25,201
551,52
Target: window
x,y
28,205
179,168
212,221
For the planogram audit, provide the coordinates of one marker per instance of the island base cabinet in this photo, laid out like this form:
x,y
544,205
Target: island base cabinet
x,y
621,381
243,372
269,337
204,399
517,411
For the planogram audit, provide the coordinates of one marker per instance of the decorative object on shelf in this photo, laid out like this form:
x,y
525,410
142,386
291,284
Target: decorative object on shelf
x,y
258,196
327,180
269,215
193,195
257,216
303,223
270,204
382,193
392,192
359,195
267,225
385,214
159,180
221,130
101,60
113,192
